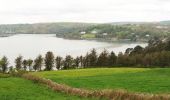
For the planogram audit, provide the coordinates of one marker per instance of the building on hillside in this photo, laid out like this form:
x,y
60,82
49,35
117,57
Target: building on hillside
x,y
83,32
94,32
105,34
161,27
147,35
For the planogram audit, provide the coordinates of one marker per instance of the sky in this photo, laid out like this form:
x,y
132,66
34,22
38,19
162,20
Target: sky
x,y
91,11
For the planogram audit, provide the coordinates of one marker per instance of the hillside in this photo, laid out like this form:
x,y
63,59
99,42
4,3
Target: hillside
x,y
133,31
165,22
43,28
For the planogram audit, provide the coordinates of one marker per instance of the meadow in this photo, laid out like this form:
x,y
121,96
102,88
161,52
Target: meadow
x,y
145,80
138,80
12,88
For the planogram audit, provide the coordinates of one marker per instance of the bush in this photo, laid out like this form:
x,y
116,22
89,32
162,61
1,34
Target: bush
x,y
18,73
4,75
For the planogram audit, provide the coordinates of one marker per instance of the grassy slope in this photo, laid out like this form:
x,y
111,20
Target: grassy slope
x,y
86,36
132,79
20,89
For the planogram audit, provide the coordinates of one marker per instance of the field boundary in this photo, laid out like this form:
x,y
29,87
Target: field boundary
x,y
107,94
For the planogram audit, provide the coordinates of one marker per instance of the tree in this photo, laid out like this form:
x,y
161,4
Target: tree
x,y
85,61
120,59
24,63
128,50
138,59
147,60
4,64
137,50
68,62
167,47
18,62
81,61
29,61
11,69
112,59
35,66
103,59
77,61
58,61
49,61
93,58
38,63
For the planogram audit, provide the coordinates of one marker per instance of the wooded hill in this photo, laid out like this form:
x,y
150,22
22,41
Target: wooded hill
x,y
133,31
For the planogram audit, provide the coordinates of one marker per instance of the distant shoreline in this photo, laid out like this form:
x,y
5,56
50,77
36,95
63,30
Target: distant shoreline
x,y
7,35
92,39
106,40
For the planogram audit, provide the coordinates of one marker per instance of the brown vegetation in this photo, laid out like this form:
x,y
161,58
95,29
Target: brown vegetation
x,y
108,94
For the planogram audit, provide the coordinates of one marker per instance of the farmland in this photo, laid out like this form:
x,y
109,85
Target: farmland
x,y
143,80
12,88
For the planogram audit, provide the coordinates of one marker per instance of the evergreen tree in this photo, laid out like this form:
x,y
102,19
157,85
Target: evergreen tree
x,y
58,61
18,62
93,58
86,61
81,61
68,62
112,59
49,61
103,59
24,63
120,59
38,63
77,62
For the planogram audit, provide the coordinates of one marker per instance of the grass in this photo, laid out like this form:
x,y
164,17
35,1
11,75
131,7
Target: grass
x,y
4,75
12,88
88,36
132,79
98,94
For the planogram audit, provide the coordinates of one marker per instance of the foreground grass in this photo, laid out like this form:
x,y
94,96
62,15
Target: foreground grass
x,y
20,89
132,79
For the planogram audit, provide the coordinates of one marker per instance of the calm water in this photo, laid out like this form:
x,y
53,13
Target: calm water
x,y
30,45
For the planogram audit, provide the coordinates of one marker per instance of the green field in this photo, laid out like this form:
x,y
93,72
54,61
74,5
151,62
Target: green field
x,y
88,36
20,89
132,79
146,80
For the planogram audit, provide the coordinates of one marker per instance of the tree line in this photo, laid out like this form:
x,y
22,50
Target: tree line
x,y
156,54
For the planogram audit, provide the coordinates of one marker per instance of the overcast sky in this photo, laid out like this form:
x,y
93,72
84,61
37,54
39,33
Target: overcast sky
x,y
100,11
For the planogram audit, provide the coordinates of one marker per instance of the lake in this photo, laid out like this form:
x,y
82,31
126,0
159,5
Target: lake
x,y
31,45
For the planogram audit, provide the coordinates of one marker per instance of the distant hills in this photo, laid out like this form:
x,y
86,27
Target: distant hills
x,y
41,28
108,31
165,22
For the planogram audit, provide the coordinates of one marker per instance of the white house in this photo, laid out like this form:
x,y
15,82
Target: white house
x,y
147,35
161,27
94,32
83,32
105,34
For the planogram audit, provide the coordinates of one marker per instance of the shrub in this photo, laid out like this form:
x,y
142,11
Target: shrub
x,y
18,73
4,75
